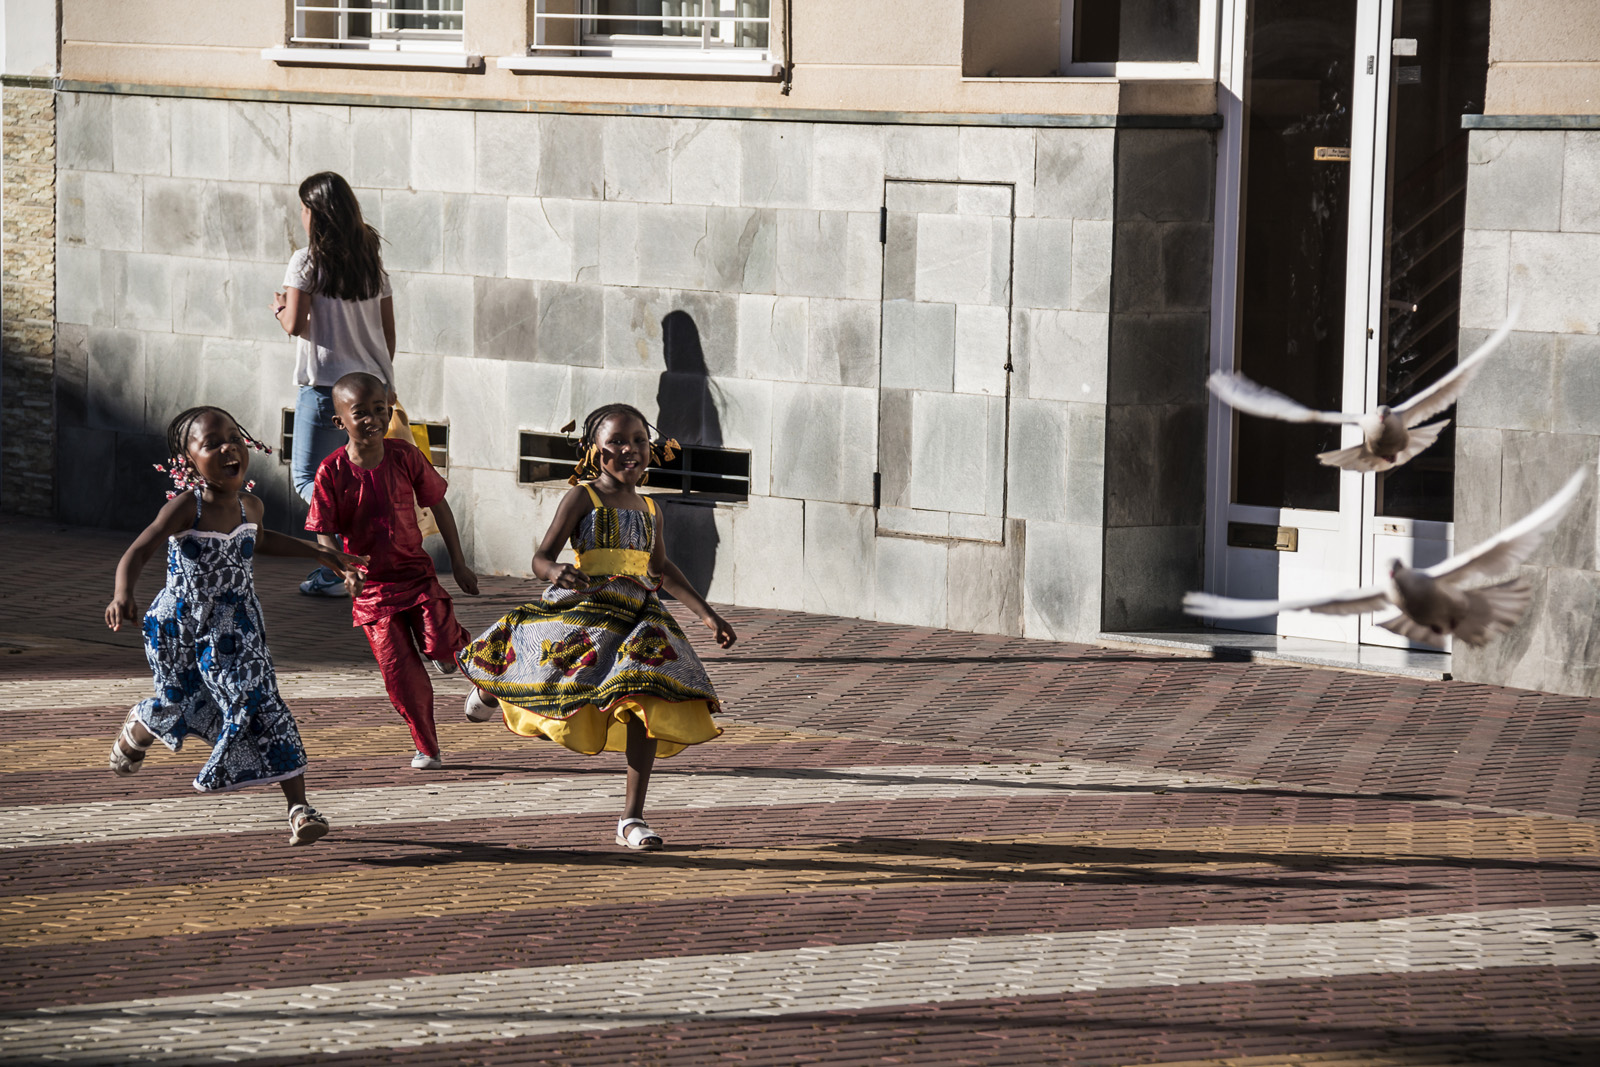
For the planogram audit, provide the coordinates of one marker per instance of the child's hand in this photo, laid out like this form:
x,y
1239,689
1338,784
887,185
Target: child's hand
x,y
570,577
121,609
725,635
278,303
354,582
340,562
466,578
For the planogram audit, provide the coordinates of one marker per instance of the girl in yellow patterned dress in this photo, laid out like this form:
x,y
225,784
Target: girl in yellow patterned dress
x,y
598,664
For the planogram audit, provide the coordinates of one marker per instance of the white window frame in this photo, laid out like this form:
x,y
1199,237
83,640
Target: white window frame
x,y
649,53
1203,67
386,46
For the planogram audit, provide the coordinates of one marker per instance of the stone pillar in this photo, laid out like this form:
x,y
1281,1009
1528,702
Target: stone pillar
x,y
27,410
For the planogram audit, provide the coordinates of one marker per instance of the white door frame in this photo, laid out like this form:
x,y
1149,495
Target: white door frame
x,y
1344,544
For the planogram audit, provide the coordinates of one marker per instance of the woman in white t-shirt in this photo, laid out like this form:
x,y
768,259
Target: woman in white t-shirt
x,y
337,304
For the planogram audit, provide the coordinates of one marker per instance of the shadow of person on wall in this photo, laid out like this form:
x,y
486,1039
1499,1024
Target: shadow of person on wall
x,y
686,407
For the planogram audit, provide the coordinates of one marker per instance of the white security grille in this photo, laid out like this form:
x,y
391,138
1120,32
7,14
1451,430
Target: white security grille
x,y
687,28
395,25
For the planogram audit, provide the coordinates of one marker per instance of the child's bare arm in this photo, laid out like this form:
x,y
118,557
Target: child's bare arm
x,y
573,507
292,309
673,581
175,517
463,574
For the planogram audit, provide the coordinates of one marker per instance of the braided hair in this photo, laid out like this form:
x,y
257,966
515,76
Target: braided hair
x,y
588,468
183,476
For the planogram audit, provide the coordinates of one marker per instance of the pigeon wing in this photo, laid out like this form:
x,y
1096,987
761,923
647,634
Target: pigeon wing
x,y
1349,602
1444,392
1493,611
1412,630
1252,398
1512,545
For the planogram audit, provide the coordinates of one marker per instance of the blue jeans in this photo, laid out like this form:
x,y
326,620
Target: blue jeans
x,y
315,436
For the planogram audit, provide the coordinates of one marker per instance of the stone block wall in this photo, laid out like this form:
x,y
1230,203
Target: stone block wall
x,y
1155,421
1532,416
27,445
545,264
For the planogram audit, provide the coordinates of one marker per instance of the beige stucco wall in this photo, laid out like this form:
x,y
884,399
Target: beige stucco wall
x,y
889,55
1544,57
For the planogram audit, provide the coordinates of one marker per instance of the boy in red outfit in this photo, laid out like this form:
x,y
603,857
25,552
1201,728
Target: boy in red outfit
x,y
370,491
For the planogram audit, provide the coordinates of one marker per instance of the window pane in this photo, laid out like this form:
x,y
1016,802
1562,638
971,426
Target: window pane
x,y
684,18
1153,31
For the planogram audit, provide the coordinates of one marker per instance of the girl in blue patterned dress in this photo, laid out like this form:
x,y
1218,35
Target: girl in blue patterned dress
x,y
598,664
204,635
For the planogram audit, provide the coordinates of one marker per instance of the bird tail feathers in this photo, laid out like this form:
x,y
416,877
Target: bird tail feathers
x,y
1493,610
1354,458
1411,630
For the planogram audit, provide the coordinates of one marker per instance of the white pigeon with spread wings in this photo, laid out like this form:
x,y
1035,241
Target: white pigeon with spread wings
x,y
1434,602
1390,436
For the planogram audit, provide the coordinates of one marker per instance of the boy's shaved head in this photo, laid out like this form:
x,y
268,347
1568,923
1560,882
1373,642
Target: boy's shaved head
x,y
359,385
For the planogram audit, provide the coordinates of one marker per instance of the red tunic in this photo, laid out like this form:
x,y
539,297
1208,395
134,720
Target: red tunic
x,y
376,513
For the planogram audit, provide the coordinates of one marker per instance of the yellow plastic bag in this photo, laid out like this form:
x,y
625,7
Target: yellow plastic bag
x,y
401,426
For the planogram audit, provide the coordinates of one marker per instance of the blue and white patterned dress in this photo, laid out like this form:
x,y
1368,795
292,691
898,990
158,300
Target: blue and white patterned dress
x,y
207,648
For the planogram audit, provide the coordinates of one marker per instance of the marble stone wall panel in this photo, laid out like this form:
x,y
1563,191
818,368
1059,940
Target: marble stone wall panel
x,y
769,553
475,235
637,158
1061,581
380,149
571,156
911,581
773,337
706,161
319,139
827,438
505,321
258,142
775,164
199,138
1146,571
840,560
847,164
506,153
1514,386
983,584
141,134
443,151
1514,179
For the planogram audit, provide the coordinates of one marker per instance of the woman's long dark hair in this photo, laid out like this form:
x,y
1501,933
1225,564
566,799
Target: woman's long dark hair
x,y
344,249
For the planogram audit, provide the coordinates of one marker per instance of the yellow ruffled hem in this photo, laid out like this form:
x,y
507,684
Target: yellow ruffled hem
x,y
591,730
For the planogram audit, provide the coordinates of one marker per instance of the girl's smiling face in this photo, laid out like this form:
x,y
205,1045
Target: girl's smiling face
x,y
624,448
218,451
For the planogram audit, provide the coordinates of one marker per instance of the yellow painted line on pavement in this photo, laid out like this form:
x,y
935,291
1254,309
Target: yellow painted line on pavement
x,y
452,881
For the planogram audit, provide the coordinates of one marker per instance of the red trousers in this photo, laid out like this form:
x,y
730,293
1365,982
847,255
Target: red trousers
x,y
395,639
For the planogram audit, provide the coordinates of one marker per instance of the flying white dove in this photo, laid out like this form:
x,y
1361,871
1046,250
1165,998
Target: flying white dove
x,y
1389,435
1431,600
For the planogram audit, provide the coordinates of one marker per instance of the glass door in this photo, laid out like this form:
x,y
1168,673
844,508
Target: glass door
x,y
1349,190
1434,70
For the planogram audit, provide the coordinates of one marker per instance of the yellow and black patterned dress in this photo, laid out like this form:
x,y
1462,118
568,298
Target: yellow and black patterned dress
x,y
575,665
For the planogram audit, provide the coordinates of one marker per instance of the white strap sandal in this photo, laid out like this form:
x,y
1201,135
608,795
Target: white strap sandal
x,y
127,754
306,824
637,835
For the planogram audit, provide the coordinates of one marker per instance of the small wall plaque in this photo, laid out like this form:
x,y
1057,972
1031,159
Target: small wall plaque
x,y
1331,155
1261,535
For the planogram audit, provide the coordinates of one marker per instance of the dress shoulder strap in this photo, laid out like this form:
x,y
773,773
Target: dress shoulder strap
x,y
650,506
199,503
243,518
594,497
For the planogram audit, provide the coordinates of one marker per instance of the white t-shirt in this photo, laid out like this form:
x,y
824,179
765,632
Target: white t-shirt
x,y
344,335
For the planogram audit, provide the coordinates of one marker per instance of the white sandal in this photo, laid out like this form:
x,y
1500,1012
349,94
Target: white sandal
x,y
127,754
306,824
637,835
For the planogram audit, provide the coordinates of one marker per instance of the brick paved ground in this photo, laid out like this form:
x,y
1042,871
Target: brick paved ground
x,y
910,846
